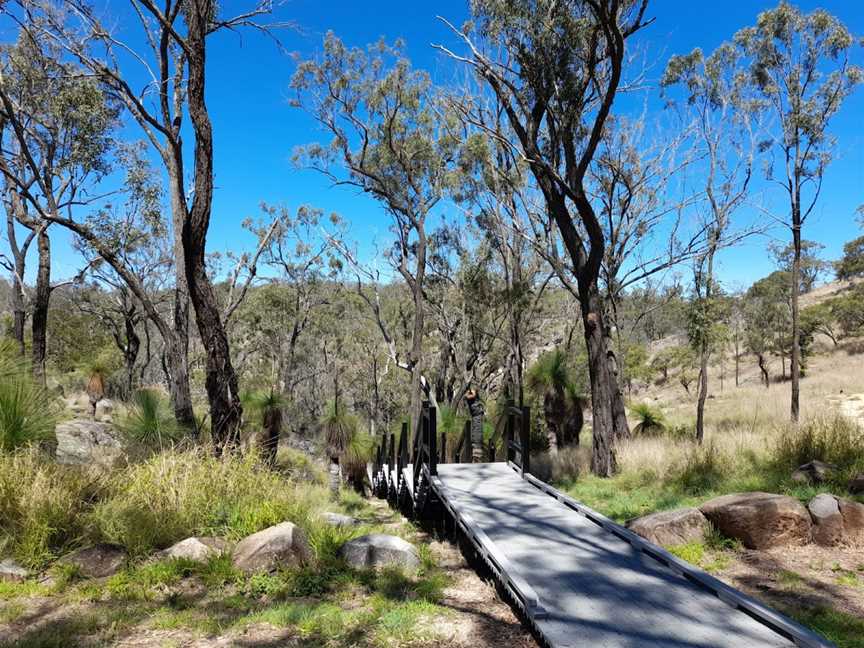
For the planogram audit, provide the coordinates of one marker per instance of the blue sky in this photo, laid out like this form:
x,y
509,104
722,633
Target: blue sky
x,y
255,128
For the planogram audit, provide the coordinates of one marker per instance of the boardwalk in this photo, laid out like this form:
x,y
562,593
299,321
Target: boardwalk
x,y
581,580
595,589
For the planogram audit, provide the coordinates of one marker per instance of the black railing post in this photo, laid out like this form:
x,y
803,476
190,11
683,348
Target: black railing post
x,y
433,441
524,436
403,453
467,444
391,452
443,457
509,454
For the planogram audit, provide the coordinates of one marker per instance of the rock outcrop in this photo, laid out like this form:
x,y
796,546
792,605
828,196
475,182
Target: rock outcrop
x,y
11,571
760,520
813,472
98,561
86,442
197,549
380,550
337,519
827,529
669,528
281,545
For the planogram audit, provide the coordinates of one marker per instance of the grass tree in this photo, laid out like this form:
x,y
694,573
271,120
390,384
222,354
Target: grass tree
x,y
799,63
339,430
549,378
269,406
28,413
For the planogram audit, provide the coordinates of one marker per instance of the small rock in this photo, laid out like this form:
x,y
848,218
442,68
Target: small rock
x,y
760,520
11,571
197,549
853,520
283,544
337,519
814,472
86,442
669,528
827,529
856,485
379,550
98,561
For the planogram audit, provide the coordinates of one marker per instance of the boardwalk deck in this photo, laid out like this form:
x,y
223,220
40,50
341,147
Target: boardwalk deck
x,y
594,588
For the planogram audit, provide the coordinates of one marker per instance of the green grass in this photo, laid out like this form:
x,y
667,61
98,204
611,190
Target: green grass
x,y
790,579
845,630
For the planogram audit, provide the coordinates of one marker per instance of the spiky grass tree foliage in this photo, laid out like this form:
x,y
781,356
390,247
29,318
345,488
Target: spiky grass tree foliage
x,y
339,430
267,410
549,379
150,420
650,420
28,412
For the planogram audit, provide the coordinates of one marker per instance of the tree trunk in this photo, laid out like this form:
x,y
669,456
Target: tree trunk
x,y
178,349
704,345
417,333
41,299
603,462
335,477
764,369
553,411
795,362
226,412
14,207
700,401
130,354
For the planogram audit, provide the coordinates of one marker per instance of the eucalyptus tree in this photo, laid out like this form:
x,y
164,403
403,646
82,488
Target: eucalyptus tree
x,y
561,66
726,122
16,262
495,193
810,266
172,59
56,128
799,63
386,139
135,229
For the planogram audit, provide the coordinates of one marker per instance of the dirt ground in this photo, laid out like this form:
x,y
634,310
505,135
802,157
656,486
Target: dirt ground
x,y
796,578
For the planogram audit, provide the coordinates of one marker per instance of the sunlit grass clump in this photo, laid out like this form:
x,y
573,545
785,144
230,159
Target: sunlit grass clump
x,y
177,494
43,506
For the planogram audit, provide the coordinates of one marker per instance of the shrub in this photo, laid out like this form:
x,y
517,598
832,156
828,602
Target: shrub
x,y
177,494
703,469
835,440
43,506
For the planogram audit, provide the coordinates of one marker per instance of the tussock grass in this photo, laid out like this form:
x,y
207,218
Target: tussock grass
x,y
177,494
43,506
663,472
